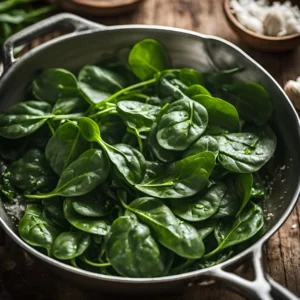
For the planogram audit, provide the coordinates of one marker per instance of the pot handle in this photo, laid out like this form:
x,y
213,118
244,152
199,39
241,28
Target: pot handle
x,y
263,287
59,21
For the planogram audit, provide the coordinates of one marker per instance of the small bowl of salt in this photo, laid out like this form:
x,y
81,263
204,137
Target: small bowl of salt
x,y
272,27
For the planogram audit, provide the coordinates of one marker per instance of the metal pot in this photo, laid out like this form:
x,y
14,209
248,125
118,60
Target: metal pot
x,y
86,44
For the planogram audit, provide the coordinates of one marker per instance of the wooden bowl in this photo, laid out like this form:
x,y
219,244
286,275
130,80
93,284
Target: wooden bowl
x,y
100,7
259,41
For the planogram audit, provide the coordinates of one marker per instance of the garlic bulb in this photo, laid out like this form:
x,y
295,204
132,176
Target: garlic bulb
x,y
280,18
273,23
292,89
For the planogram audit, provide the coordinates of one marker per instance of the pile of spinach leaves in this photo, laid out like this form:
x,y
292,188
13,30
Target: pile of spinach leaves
x,y
137,169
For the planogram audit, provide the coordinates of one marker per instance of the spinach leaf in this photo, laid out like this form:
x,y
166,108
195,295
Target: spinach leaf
x,y
97,83
205,228
195,90
65,146
170,86
53,84
247,224
32,173
112,129
190,77
222,116
128,162
147,58
230,203
69,245
155,149
70,105
201,206
24,118
92,205
137,113
205,143
87,224
239,154
183,123
180,179
132,251
252,102
178,236
54,208
83,175
35,229
243,186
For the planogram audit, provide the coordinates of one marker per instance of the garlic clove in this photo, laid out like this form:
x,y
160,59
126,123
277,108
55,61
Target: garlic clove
x,y
250,22
298,79
273,22
292,89
292,26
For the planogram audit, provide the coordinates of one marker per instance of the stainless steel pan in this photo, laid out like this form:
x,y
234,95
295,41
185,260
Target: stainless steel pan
x,y
86,44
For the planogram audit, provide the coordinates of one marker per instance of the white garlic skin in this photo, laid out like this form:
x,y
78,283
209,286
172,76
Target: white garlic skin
x,y
292,89
273,23
250,23
245,18
292,26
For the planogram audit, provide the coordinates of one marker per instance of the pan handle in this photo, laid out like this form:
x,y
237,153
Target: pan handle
x,y
263,287
59,21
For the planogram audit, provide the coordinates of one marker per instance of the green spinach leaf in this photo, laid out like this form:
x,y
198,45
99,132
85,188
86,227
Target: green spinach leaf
x,y
132,250
178,236
238,153
252,102
24,118
65,146
205,143
201,206
53,84
182,124
247,224
129,163
147,58
97,83
87,224
32,173
222,116
180,179
83,175
35,229
69,245
243,187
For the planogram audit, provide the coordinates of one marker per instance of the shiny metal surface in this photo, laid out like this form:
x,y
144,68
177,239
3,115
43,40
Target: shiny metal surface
x,y
188,49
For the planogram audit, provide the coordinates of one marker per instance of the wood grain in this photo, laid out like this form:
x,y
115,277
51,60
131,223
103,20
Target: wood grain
x,y
282,252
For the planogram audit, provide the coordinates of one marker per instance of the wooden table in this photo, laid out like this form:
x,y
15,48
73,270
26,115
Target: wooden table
x,y
21,277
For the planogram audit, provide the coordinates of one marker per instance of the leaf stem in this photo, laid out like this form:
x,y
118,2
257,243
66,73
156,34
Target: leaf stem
x,y
42,196
99,113
70,116
51,127
168,183
73,262
91,263
129,88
